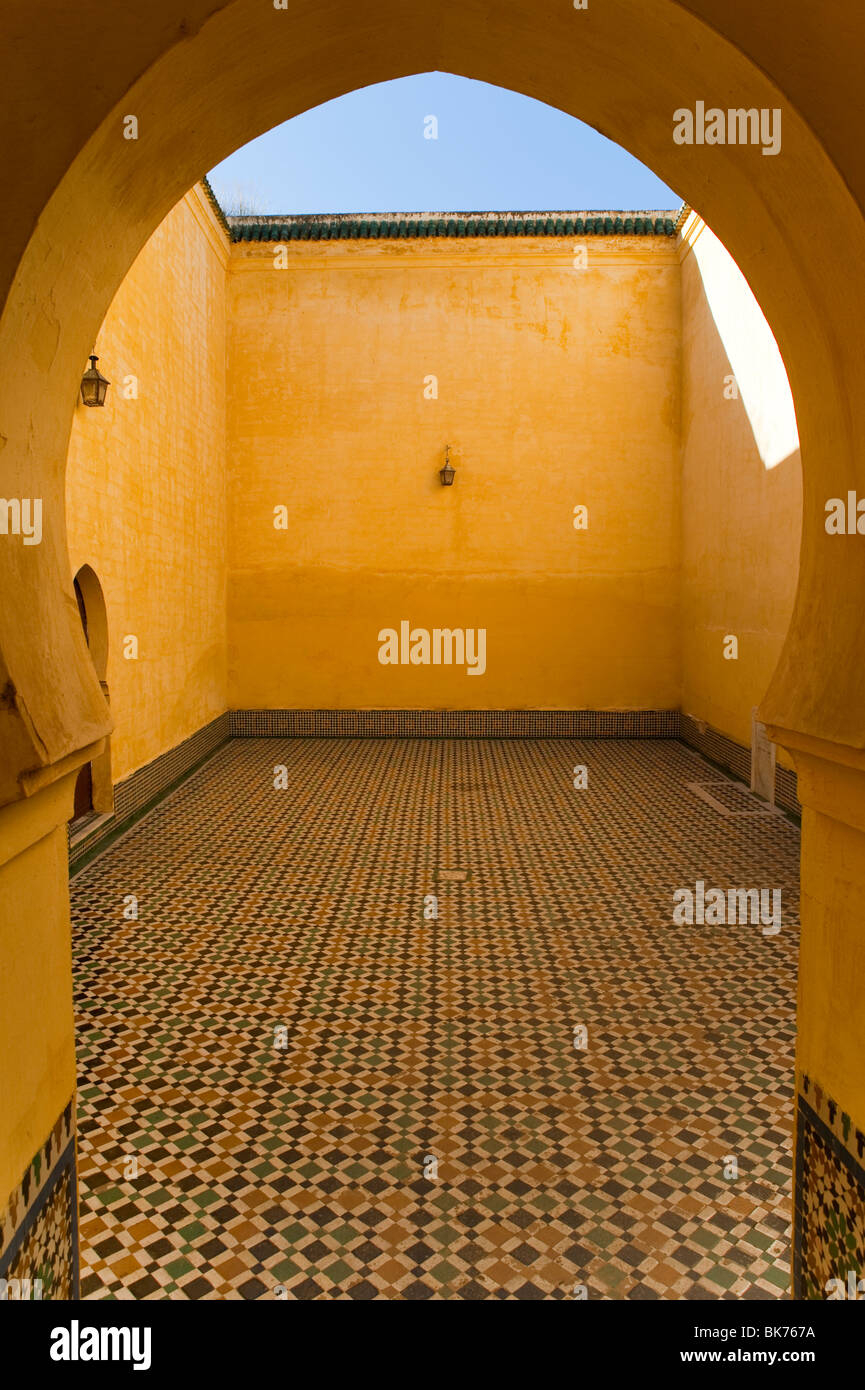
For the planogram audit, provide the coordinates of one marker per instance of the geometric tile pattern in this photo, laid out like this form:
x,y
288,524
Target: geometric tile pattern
x,y
830,1196
786,790
715,746
454,723
294,1083
38,1231
141,789
735,759
731,798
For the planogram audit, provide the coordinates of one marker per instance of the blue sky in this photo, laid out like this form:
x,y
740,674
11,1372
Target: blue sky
x,y
366,152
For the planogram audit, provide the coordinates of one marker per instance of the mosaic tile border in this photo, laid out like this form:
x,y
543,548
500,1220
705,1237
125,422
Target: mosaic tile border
x,y
833,1118
454,723
821,1119
733,757
786,793
142,790
39,1226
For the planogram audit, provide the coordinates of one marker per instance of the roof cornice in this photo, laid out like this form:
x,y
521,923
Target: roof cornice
x,y
394,225
216,205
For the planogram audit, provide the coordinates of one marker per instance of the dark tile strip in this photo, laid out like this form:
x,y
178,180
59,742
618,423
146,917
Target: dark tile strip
x,y
144,789
434,723
725,753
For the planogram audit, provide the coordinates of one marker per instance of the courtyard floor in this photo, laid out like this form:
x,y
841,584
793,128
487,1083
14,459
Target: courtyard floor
x,y
423,1125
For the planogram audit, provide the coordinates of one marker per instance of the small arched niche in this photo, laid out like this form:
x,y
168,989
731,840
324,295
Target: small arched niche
x,y
94,789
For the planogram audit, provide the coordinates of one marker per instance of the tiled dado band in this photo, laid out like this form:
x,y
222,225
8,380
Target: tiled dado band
x,y
39,1226
733,757
829,1192
454,723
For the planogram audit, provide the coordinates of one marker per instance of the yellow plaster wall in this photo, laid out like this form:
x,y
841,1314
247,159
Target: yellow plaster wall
x,y
145,488
37,1078
741,493
557,386
830,1017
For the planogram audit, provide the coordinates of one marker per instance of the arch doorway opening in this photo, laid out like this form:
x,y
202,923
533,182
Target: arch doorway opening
x,y
248,64
599,1076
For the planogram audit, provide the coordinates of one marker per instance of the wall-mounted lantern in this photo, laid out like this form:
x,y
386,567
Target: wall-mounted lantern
x,y
447,473
94,385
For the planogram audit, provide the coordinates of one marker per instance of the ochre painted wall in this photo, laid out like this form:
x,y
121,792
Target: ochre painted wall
x,y
557,386
741,492
37,1046
146,487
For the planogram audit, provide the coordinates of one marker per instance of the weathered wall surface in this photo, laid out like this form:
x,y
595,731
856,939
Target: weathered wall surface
x,y
557,387
146,487
37,1078
741,492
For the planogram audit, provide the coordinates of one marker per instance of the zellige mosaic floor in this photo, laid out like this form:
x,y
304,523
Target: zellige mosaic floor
x,y
428,1128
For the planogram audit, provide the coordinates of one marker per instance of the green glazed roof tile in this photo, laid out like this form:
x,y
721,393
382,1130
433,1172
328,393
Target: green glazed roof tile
x,y
351,226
